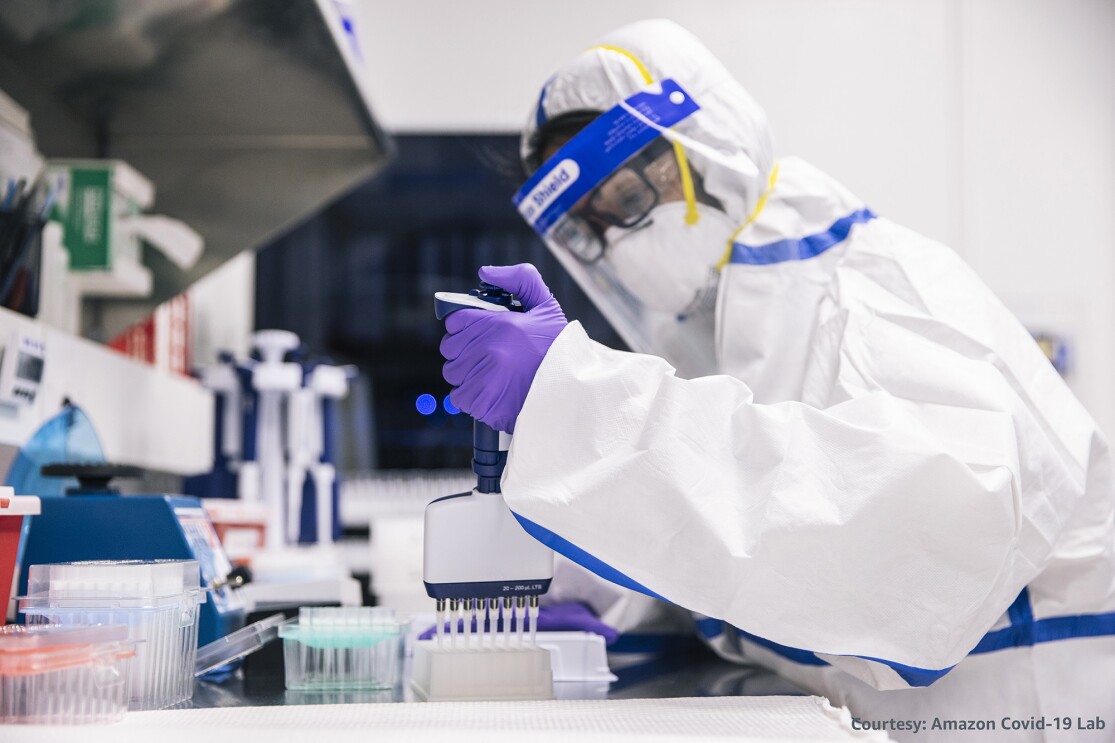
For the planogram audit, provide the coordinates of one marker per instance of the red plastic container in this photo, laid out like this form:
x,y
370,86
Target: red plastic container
x,y
12,510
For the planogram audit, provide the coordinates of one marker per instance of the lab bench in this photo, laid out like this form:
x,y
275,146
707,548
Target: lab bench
x,y
686,695
690,671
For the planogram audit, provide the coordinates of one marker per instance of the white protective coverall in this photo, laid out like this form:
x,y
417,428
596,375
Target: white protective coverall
x,y
886,493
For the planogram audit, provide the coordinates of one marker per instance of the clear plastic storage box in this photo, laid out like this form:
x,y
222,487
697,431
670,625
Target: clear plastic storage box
x,y
342,648
157,600
61,675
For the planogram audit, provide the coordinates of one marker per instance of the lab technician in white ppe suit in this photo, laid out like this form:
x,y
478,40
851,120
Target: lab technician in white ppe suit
x,y
833,444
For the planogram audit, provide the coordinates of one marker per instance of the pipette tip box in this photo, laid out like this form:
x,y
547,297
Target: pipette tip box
x,y
62,675
157,600
334,648
478,672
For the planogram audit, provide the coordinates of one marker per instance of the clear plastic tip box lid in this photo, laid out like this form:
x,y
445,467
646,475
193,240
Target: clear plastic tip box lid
x,y
134,583
341,648
57,674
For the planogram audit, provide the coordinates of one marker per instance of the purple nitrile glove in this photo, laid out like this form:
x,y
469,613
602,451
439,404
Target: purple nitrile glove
x,y
492,357
570,617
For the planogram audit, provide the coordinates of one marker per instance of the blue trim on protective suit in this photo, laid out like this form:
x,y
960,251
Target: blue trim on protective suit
x,y
910,674
712,628
800,249
1024,632
1047,630
805,657
582,558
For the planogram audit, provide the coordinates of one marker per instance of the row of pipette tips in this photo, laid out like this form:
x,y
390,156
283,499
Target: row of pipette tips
x,y
114,579
481,623
346,618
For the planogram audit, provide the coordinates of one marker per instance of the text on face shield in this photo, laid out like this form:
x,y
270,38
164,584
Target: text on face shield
x,y
563,175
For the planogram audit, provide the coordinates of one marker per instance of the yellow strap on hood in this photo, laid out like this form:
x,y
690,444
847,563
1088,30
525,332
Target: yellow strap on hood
x,y
754,215
687,189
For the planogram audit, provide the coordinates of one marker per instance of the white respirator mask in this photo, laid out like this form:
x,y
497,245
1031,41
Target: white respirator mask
x,y
667,264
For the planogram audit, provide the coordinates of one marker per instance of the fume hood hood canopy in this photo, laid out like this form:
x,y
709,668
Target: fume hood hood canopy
x,y
248,115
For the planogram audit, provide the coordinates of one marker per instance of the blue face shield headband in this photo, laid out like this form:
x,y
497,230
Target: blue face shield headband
x,y
610,174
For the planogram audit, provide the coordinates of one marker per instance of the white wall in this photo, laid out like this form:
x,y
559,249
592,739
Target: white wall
x,y
222,310
1039,172
987,124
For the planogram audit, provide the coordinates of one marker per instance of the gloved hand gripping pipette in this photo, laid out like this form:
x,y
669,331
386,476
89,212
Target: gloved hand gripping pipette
x,y
478,560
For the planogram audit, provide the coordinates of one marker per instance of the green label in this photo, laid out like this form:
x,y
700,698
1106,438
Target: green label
x,y
85,219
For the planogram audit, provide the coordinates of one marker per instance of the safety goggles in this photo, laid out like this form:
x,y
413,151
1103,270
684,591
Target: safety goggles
x,y
624,200
610,175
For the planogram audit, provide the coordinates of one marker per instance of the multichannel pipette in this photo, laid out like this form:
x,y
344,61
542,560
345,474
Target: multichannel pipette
x,y
484,571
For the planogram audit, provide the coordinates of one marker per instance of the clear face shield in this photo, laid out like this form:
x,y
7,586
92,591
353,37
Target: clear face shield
x,y
619,207
624,200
